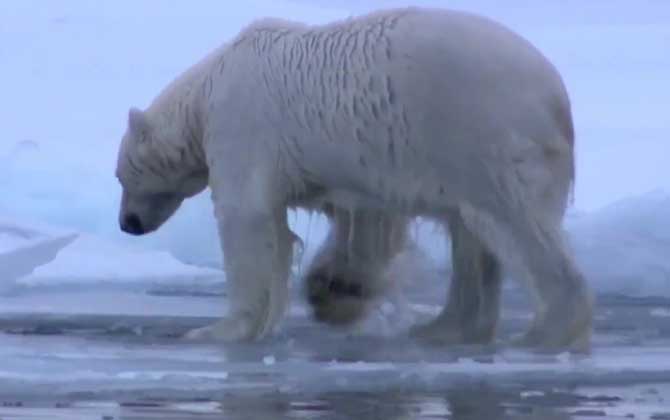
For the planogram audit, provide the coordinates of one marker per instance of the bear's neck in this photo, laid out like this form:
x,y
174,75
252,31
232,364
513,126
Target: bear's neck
x,y
177,109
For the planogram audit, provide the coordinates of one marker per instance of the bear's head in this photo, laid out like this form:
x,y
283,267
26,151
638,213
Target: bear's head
x,y
155,172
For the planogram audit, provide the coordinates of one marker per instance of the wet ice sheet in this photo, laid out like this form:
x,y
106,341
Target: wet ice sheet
x,y
132,349
646,402
76,366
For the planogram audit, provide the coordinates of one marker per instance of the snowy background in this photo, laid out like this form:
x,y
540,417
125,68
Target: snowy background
x,y
72,69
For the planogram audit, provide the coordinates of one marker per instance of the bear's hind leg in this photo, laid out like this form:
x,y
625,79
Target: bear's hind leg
x,y
347,272
565,306
471,313
532,246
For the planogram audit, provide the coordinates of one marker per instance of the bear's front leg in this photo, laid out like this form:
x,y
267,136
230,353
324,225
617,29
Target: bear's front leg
x,y
348,271
257,250
256,241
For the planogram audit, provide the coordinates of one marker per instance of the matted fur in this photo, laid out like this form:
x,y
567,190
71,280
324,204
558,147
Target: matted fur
x,y
399,113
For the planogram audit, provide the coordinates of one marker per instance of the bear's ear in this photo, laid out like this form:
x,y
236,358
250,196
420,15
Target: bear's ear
x,y
137,123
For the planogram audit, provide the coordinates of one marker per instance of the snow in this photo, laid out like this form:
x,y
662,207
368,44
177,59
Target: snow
x,y
91,259
60,172
64,60
32,256
22,249
624,246
22,261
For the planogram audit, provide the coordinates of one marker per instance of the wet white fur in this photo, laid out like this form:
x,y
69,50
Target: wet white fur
x,y
409,111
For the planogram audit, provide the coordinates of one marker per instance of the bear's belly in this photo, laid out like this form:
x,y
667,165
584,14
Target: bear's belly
x,y
415,204
340,198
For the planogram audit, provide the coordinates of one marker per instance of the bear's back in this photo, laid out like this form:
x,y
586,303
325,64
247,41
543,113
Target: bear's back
x,y
428,36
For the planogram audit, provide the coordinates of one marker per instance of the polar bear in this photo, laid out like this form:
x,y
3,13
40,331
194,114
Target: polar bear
x,y
375,120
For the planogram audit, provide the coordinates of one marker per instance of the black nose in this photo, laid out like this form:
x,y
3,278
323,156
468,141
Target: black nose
x,y
132,224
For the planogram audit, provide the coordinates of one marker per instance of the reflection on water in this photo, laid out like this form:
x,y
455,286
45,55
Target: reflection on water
x,y
472,403
139,370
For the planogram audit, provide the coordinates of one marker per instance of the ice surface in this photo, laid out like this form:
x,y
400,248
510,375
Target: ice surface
x,y
126,354
44,256
22,261
90,259
624,247
22,249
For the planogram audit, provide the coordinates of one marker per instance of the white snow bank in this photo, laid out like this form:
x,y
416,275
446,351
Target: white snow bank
x,y
91,259
23,249
39,255
625,247
622,248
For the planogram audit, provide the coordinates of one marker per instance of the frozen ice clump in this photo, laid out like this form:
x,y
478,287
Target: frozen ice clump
x,y
93,260
35,255
22,249
624,247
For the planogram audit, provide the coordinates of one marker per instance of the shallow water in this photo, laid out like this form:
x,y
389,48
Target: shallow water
x,y
647,401
119,356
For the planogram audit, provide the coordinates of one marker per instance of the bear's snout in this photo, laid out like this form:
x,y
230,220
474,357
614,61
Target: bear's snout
x,y
131,223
